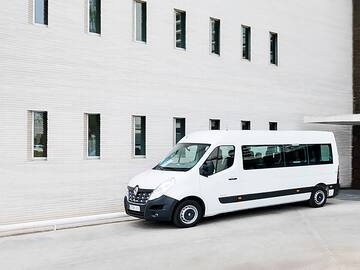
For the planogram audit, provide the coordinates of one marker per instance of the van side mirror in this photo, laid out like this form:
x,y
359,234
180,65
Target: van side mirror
x,y
207,168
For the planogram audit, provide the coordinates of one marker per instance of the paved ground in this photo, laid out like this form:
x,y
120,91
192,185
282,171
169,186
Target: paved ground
x,y
285,237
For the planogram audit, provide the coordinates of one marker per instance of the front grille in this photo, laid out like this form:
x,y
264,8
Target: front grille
x,y
141,197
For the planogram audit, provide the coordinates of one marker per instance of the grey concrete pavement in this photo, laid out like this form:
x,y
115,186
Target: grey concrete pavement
x,y
283,237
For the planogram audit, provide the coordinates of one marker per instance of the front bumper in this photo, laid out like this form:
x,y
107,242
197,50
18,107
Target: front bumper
x,y
160,209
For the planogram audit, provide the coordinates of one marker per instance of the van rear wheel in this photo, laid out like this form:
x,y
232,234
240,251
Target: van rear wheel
x,y
187,214
318,197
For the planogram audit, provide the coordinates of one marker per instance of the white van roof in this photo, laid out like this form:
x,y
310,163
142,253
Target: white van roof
x,y
258,137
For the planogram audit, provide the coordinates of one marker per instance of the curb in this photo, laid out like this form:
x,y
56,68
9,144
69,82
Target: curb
x,y
62,224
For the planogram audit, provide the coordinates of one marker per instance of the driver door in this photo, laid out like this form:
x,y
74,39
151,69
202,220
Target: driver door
x,y
219,177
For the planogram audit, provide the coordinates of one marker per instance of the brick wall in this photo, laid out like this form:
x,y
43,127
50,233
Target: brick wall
x,y
356,93
66,71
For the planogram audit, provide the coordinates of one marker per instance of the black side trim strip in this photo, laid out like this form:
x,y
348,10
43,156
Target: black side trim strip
x,y
264,195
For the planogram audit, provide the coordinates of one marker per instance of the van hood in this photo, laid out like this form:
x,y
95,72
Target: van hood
x,y
151,179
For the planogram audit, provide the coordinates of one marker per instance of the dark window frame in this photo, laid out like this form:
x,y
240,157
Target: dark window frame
x,y
176,137
94,13
246,42
143,21
96,133
217,121
274,48
43,139
245,125
45,12
142,137
180,43
215,37
273,126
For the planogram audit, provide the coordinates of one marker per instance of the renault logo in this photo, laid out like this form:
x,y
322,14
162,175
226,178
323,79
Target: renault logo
x,y
136,190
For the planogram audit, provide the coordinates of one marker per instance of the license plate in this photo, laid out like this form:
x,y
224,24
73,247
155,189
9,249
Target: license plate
x,y
134,207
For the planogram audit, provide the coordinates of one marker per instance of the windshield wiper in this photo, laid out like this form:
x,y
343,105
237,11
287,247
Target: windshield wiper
x,y
158,167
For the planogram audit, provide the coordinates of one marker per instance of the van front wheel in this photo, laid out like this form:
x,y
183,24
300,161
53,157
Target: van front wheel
x,y
318,197
187,214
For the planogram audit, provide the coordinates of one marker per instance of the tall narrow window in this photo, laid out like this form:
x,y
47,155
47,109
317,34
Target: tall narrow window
x,y
246,42
95,16
273,126
93,132
39,134
180,29
214,124
139,123
273,48
245,125
140,21
179,129
215,36
41,11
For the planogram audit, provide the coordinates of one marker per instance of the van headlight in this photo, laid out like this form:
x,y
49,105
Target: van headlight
x,y
162,188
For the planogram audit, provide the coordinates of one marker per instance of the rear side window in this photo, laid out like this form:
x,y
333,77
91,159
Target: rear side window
x,y
275,156
222,157
320,154
262,156
295,155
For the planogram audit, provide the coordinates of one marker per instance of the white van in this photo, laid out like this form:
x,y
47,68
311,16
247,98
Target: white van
x,y
213,172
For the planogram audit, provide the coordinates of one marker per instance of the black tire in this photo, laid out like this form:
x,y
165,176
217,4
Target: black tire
x,y
318,197
187,214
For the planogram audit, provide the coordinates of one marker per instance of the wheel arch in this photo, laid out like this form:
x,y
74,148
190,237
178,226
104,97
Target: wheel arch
x,y
194,198
322,185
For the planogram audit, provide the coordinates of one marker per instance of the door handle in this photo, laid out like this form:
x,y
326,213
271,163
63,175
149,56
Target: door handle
x,y
232,179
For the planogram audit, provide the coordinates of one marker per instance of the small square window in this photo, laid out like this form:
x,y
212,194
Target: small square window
x,y
214,124
245,125
273,125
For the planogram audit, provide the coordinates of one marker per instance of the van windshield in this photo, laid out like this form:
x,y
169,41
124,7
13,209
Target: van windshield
x,y
183,157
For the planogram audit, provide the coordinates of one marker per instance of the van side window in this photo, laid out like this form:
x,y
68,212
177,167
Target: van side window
x,y
222,157
262,156
295,155
275,156
320,154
